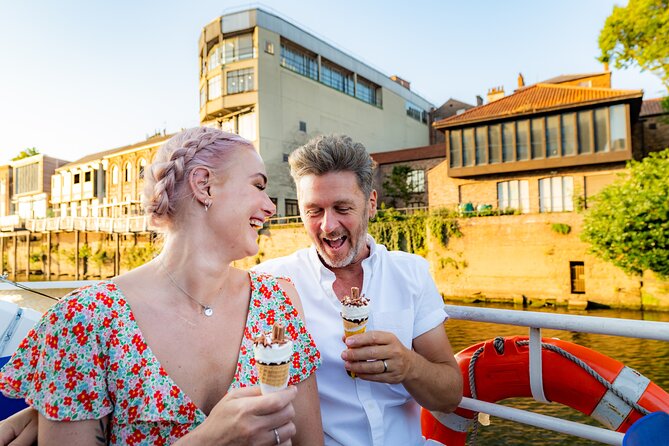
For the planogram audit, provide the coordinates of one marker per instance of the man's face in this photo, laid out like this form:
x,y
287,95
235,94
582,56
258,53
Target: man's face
x,y
335,214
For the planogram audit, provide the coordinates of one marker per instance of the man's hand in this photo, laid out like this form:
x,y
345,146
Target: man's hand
x,y
378,356
429,372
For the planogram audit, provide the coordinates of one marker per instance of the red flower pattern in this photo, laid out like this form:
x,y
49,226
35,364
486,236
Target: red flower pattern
x,y
90,338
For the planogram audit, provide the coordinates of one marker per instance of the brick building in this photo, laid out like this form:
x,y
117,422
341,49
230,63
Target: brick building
x,y
541,149
419,160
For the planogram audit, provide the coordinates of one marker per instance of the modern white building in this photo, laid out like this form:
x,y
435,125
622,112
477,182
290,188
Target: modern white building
x,y
279,85
32,185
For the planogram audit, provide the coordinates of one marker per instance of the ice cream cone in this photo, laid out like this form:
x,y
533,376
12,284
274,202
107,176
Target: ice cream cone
x,y
354,314
273,354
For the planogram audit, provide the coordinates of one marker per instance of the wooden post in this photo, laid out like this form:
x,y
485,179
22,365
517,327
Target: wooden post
x,y
15,257
76,254
2,255
28,257
117,255
48,255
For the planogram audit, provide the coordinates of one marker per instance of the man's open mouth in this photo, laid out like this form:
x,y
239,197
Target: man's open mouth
x,y
335,243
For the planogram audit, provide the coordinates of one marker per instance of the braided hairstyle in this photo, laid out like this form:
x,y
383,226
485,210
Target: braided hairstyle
x,y
165,183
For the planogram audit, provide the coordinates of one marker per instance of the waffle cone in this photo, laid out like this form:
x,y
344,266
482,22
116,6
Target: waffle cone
x,y
272,377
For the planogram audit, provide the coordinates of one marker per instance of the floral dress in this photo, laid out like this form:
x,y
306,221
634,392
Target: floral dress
x,y
86,358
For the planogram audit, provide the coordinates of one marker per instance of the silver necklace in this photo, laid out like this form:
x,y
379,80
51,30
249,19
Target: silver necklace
x,y
206,309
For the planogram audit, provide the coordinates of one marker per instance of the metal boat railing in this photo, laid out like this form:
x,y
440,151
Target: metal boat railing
x,y
535,321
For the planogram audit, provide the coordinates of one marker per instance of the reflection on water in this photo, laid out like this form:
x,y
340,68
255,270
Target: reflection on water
x,y
650,358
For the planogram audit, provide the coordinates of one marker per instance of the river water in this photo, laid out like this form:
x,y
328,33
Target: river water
x,y
650,358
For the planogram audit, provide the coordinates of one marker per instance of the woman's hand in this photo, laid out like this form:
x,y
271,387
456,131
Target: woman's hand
x,y
20,429
245,417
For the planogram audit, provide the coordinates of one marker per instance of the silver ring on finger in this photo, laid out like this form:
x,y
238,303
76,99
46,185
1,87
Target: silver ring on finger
x,y
385,366
276,436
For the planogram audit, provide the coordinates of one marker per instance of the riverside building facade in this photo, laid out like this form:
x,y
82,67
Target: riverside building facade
x,y
279,85
548,147
104,184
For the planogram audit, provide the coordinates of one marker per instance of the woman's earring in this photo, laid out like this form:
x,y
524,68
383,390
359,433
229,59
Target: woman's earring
x,y
207,205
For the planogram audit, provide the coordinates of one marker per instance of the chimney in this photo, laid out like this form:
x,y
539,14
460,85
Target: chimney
x,y
521,80
479,100
402,82
495,93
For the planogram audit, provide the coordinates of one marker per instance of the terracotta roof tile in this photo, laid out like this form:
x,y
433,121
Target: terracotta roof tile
x,y
652,107
537,98
412,154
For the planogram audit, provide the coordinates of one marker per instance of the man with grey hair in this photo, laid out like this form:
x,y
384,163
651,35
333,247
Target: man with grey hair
x,y
404,359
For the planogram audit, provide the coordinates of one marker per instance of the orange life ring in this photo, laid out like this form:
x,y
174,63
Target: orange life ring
x,y
503,372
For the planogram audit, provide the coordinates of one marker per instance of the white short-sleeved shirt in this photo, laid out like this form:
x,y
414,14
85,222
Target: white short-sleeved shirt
x,y
404,300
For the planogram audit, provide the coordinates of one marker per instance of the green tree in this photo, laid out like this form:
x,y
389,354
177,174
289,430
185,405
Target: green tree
x,y
26,153
638,34
396,185
629,223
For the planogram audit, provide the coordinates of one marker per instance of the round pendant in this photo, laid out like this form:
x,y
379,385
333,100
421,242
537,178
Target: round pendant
x,y
208,311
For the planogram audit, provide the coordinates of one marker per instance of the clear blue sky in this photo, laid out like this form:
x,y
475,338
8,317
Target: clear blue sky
x,y
81,76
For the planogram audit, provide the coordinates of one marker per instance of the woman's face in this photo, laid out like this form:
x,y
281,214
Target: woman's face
x,y
240,205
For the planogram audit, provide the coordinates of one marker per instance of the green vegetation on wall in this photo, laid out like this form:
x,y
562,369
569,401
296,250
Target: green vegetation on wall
x,y
561,228
629,223
138,255
408,232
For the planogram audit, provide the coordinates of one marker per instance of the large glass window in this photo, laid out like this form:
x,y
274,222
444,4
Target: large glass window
x,y
414,111
292,208
416,181
601,131
247,126
299,61
214,57
618,127
468,147
26,178
494,146
569,134
127,172
552,136
455,145
228,125
481,145
214,90
513,195
337,78
203,96
368,92
522,140
237,48
556,194
585,132
508,130
141,166
239,81
114,174
538,138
